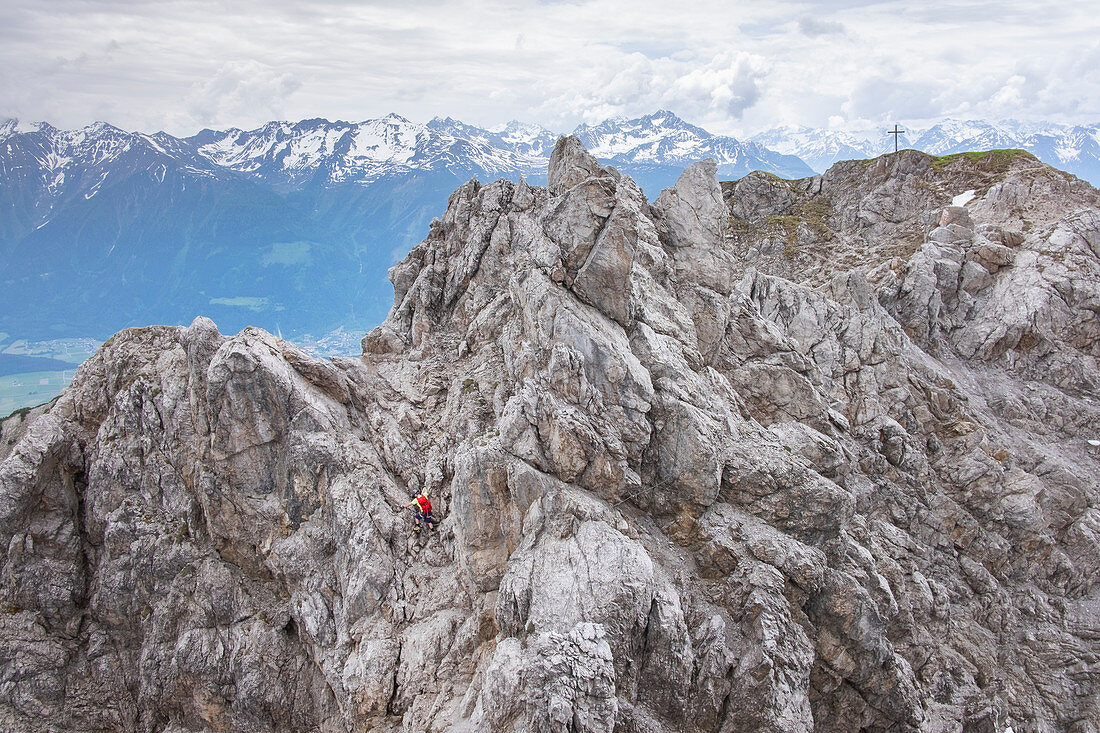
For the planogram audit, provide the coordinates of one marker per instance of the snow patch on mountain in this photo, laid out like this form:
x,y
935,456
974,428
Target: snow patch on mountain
x,y
11,126
964,198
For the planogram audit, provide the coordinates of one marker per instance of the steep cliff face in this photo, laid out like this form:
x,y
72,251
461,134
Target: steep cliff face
x,y
676,493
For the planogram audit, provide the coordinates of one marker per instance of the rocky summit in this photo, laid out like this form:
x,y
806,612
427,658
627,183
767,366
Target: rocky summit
x,y
756,456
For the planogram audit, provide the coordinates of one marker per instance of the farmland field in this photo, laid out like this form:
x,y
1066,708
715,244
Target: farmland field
x,y
31,388
34,372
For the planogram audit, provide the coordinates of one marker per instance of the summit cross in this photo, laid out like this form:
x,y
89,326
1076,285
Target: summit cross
x,y
895,132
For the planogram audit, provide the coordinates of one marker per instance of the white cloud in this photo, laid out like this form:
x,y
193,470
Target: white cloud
x,y
729,84
731,67
893,97
724,86
1009,96
239,89
814,27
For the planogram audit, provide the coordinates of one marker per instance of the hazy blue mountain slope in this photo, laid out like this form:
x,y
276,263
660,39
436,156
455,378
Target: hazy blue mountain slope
x,y
19,364
144,250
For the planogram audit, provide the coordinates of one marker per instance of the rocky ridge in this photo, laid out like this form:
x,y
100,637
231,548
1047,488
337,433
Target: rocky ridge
x,y
693,474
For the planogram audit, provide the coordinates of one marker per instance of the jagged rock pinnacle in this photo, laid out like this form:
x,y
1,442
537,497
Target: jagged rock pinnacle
x,y
570,164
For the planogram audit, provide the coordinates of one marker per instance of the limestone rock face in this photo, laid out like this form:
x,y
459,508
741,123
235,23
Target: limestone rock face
x,y
684,482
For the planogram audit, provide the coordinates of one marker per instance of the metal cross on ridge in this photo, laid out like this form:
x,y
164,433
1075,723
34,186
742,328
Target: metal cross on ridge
x,y
895,132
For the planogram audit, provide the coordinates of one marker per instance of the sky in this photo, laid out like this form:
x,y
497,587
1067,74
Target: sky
x,y
730,66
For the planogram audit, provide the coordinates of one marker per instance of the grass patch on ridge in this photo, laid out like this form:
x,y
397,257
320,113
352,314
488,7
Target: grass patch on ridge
x,y
994,161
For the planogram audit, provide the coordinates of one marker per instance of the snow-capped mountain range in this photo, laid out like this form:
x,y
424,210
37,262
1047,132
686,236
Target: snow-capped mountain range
x,y
1072,148
44,169
641,146
529,140
662,139
336,152
318,151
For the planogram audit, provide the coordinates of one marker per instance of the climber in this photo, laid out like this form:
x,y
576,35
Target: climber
x,y
423,511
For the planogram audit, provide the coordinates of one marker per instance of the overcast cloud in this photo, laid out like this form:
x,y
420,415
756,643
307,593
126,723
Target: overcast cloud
x,y
732,67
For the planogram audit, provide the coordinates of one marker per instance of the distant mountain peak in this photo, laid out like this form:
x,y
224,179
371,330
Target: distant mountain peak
x,y
664,116
664,139
14,126
101,126
517,126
